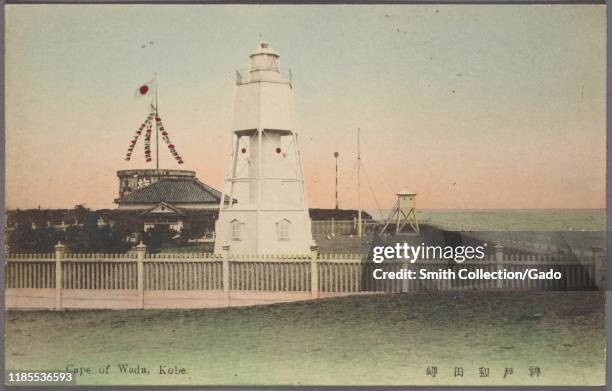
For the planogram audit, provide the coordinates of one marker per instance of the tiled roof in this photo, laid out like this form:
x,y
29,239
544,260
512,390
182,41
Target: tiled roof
x,y
174,191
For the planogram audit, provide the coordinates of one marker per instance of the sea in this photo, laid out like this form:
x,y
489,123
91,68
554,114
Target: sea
x,y
581,220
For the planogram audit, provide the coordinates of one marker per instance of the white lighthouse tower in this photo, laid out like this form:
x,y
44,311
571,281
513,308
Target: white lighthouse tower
x,y
265,180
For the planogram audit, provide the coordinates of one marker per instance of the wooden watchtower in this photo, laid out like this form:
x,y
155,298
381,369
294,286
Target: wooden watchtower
x,y
404,214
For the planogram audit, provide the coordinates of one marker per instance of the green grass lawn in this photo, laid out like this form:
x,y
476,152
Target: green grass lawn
x,y
366,340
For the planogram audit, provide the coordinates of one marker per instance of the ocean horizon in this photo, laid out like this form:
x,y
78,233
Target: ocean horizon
x,y
575,219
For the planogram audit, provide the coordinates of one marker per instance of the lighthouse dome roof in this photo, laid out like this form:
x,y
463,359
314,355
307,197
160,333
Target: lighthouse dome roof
x,y
406,192
264,48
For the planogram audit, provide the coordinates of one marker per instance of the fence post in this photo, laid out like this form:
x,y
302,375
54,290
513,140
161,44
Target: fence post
x,y
226,274
60,250
314,272
141,250
598,267
404,287
499,259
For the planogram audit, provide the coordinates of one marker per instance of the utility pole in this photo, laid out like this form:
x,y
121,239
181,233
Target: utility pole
x,y
336,154
359,230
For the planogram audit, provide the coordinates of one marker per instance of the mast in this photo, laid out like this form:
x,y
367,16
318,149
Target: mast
x,y
358,186
156,128
336,154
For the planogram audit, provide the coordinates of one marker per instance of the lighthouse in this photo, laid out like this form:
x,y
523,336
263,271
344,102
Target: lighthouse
x,y
268,211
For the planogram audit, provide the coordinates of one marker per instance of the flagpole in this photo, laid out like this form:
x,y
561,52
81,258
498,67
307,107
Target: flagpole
x,y
156,128
358,186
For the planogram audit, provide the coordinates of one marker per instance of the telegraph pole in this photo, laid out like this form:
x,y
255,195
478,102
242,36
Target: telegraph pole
x,y
336,154
359,230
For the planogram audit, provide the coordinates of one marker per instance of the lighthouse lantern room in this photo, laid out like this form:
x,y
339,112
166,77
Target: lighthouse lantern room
x,y
268,211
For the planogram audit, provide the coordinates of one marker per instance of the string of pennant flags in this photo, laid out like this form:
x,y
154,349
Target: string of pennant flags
x,y
147,128
166,139
147,142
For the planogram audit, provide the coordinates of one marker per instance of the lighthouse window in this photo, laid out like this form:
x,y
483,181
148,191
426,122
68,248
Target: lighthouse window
x,y
236,230
282,229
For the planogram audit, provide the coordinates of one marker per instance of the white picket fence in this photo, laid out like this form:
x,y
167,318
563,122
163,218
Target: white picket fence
x,y
200,280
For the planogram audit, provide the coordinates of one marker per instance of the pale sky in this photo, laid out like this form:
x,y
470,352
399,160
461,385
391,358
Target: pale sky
x,y
472,106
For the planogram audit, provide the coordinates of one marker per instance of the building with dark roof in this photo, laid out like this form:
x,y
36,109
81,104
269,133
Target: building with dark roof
x,y
182,193
173,198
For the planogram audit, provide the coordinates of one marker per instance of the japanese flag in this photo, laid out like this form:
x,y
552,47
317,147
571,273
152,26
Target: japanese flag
x,y
145,89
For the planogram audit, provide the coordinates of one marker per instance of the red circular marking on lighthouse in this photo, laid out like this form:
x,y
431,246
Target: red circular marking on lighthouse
x,y
278,150
243,150
143,90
